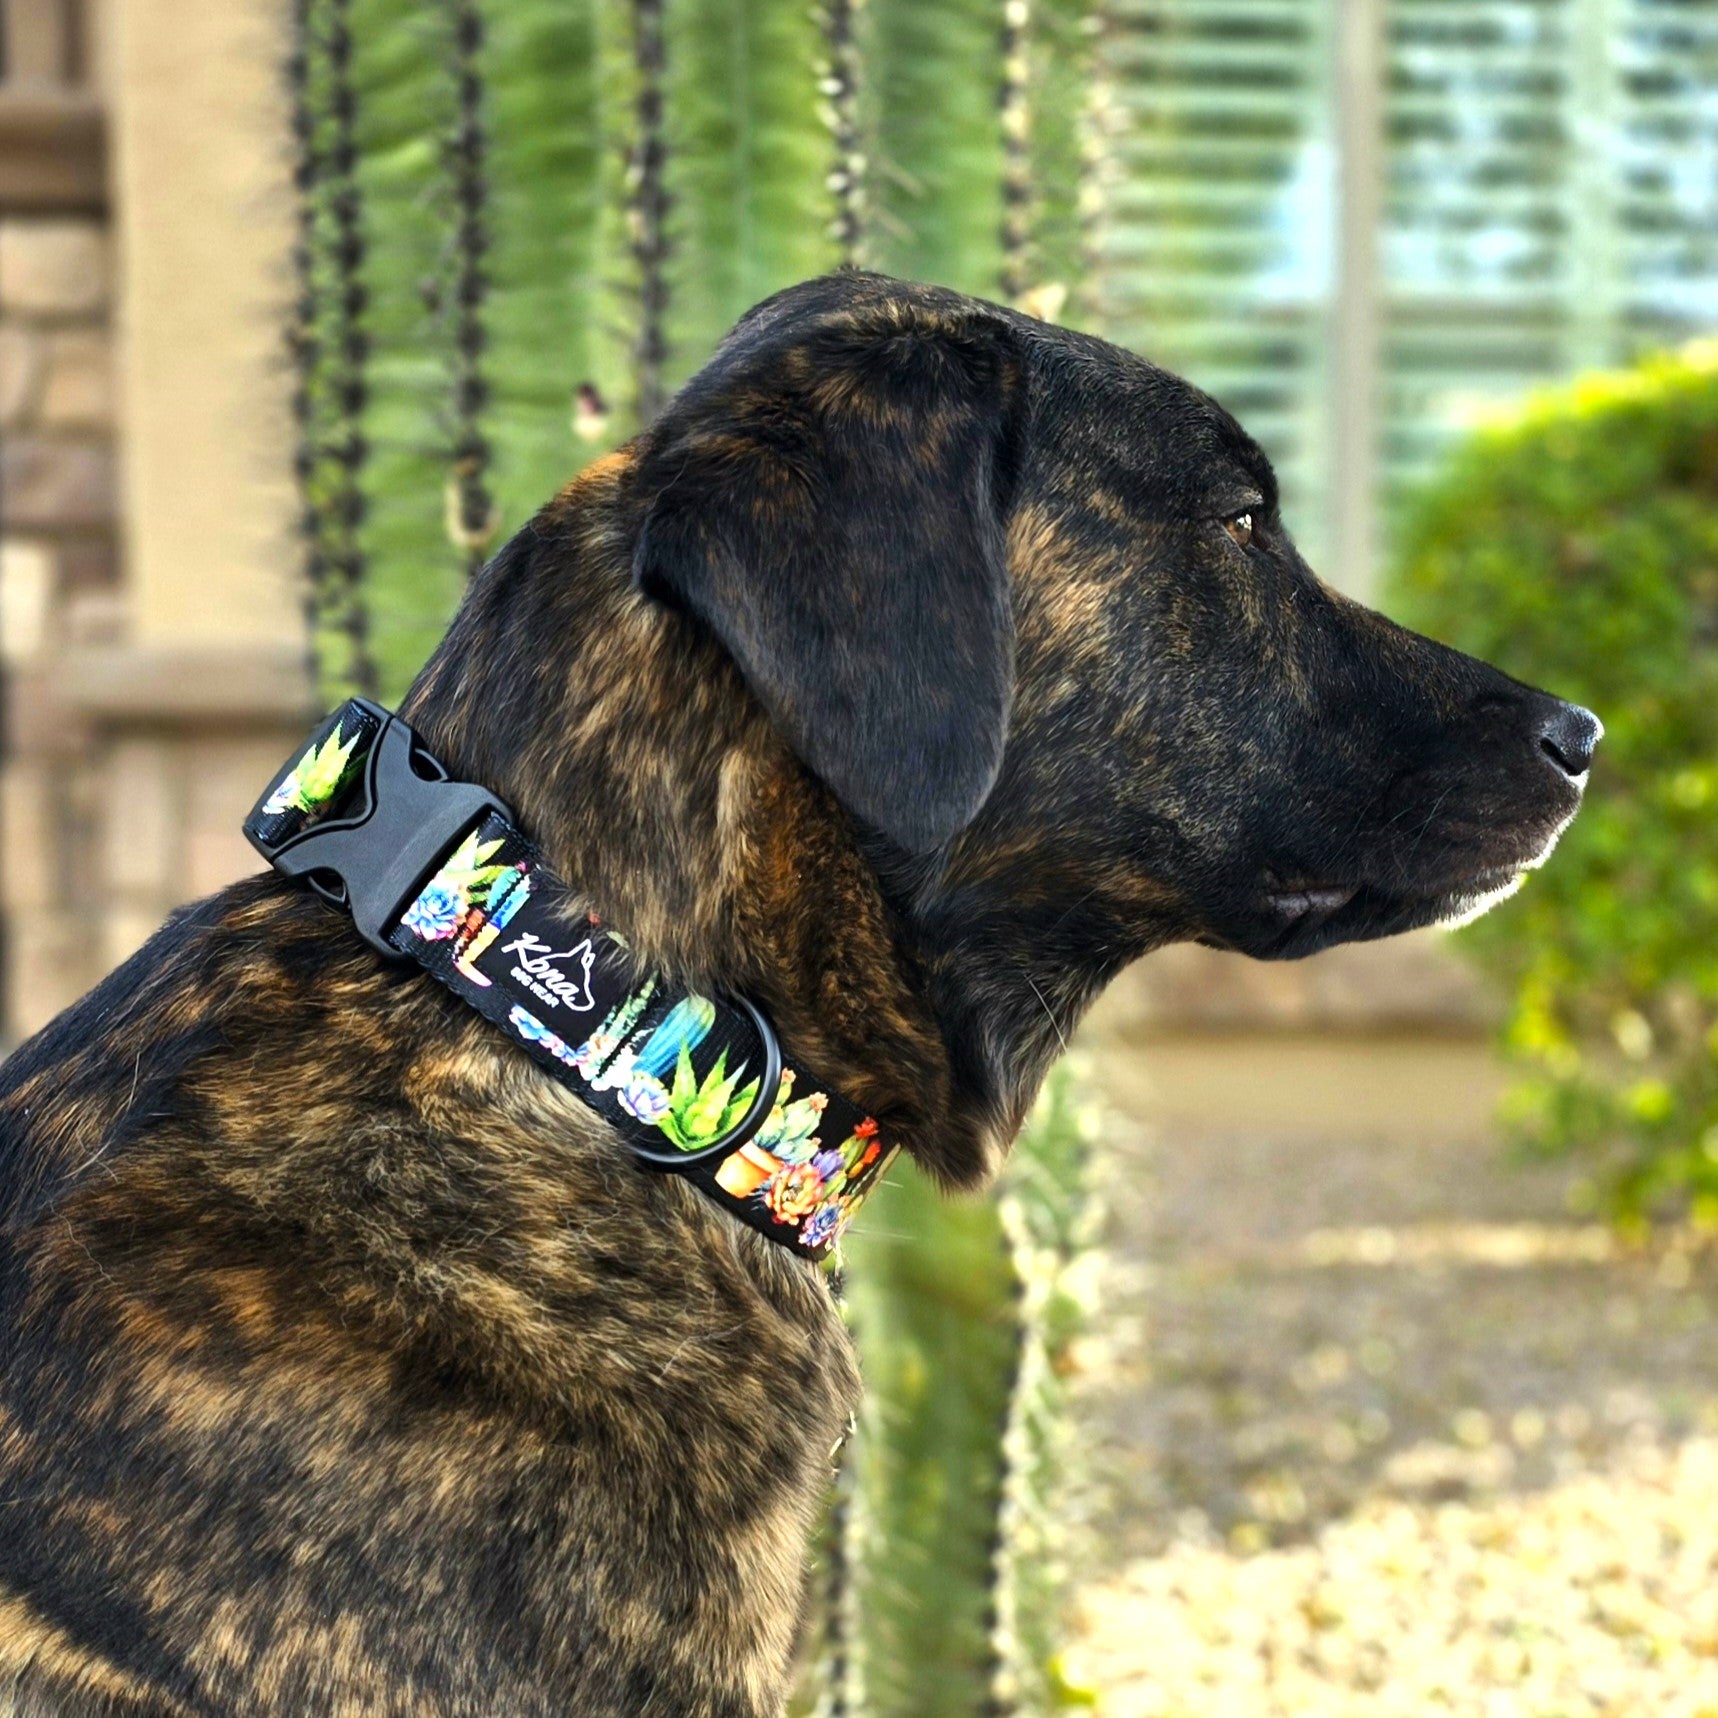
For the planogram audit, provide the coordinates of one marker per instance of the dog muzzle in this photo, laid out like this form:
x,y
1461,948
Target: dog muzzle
x,y
435,871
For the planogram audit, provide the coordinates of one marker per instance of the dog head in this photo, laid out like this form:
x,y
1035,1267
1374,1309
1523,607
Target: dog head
x,y
1026,604
1023,605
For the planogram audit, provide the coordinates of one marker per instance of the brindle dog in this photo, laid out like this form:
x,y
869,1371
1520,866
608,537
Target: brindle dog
x,y
922,667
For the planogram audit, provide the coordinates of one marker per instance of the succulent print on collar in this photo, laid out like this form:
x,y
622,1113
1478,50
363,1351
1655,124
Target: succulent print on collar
x,y
675,1072
692,1109
786,1169
659,1066
782,1171
472,898
319,777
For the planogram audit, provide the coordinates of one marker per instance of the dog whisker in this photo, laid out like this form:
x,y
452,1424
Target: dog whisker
x,y
1049,1012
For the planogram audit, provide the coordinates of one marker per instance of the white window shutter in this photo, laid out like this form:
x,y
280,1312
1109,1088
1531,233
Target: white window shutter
x,y
1549,203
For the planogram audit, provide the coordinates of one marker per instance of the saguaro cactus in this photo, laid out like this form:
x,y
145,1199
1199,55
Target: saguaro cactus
x,y
472,519
966,1312
522,225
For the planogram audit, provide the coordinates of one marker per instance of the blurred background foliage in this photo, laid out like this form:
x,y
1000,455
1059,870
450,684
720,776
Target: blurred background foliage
x,y
522,225
1578,542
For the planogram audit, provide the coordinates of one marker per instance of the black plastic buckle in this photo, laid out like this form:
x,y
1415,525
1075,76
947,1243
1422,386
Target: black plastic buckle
x,y
373,860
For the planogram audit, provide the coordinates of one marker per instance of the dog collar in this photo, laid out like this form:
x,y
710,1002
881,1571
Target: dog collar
x,y
435,870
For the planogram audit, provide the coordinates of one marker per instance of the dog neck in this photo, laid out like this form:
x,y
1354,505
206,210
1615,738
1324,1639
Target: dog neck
x,y
637,760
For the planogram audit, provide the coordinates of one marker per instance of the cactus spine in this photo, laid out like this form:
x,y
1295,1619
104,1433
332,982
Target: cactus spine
x,y
328,343
472,519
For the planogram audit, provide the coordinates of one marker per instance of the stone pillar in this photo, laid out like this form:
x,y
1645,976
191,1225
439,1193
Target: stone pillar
x,y
150,623
57,519
194,702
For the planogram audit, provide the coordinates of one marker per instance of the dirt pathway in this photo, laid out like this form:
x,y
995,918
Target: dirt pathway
x,y
1383,1431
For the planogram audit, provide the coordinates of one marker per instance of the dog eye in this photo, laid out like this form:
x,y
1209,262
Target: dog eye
x,y
1240,528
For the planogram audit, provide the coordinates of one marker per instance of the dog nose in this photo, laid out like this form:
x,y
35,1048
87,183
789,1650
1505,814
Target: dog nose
x,y
1567,737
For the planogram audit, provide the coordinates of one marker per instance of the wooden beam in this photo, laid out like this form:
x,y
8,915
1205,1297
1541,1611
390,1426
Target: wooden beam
x,y
53,152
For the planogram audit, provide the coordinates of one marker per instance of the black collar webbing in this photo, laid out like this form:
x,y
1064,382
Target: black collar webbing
x,y
435,870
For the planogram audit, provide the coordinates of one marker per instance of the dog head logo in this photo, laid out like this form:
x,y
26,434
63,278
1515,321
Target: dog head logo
x,y
559,978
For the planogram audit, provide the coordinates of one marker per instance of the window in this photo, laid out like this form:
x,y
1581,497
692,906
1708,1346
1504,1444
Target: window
x,y
1359,222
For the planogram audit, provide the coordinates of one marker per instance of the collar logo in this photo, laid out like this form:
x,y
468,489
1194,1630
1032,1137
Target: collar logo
x,y
539,970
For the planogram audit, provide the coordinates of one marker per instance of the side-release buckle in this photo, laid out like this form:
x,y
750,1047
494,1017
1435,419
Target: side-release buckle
x,y
374,858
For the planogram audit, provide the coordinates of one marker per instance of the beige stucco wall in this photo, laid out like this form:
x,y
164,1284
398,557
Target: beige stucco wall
x,y
205,227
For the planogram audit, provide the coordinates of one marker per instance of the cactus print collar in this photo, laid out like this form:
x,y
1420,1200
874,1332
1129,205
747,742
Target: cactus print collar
x,y
697,1086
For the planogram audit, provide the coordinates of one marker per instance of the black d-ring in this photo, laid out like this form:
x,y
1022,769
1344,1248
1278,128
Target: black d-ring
x,y
769,1086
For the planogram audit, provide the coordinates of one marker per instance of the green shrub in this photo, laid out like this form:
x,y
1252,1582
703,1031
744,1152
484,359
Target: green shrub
x,y
1577,547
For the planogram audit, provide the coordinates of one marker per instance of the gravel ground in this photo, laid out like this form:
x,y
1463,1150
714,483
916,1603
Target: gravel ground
x,y
1382,1431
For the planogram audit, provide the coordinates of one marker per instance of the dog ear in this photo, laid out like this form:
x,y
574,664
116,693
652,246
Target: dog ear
x,y
828,500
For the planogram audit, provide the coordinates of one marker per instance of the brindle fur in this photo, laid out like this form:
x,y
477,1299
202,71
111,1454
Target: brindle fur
x,y
904,678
